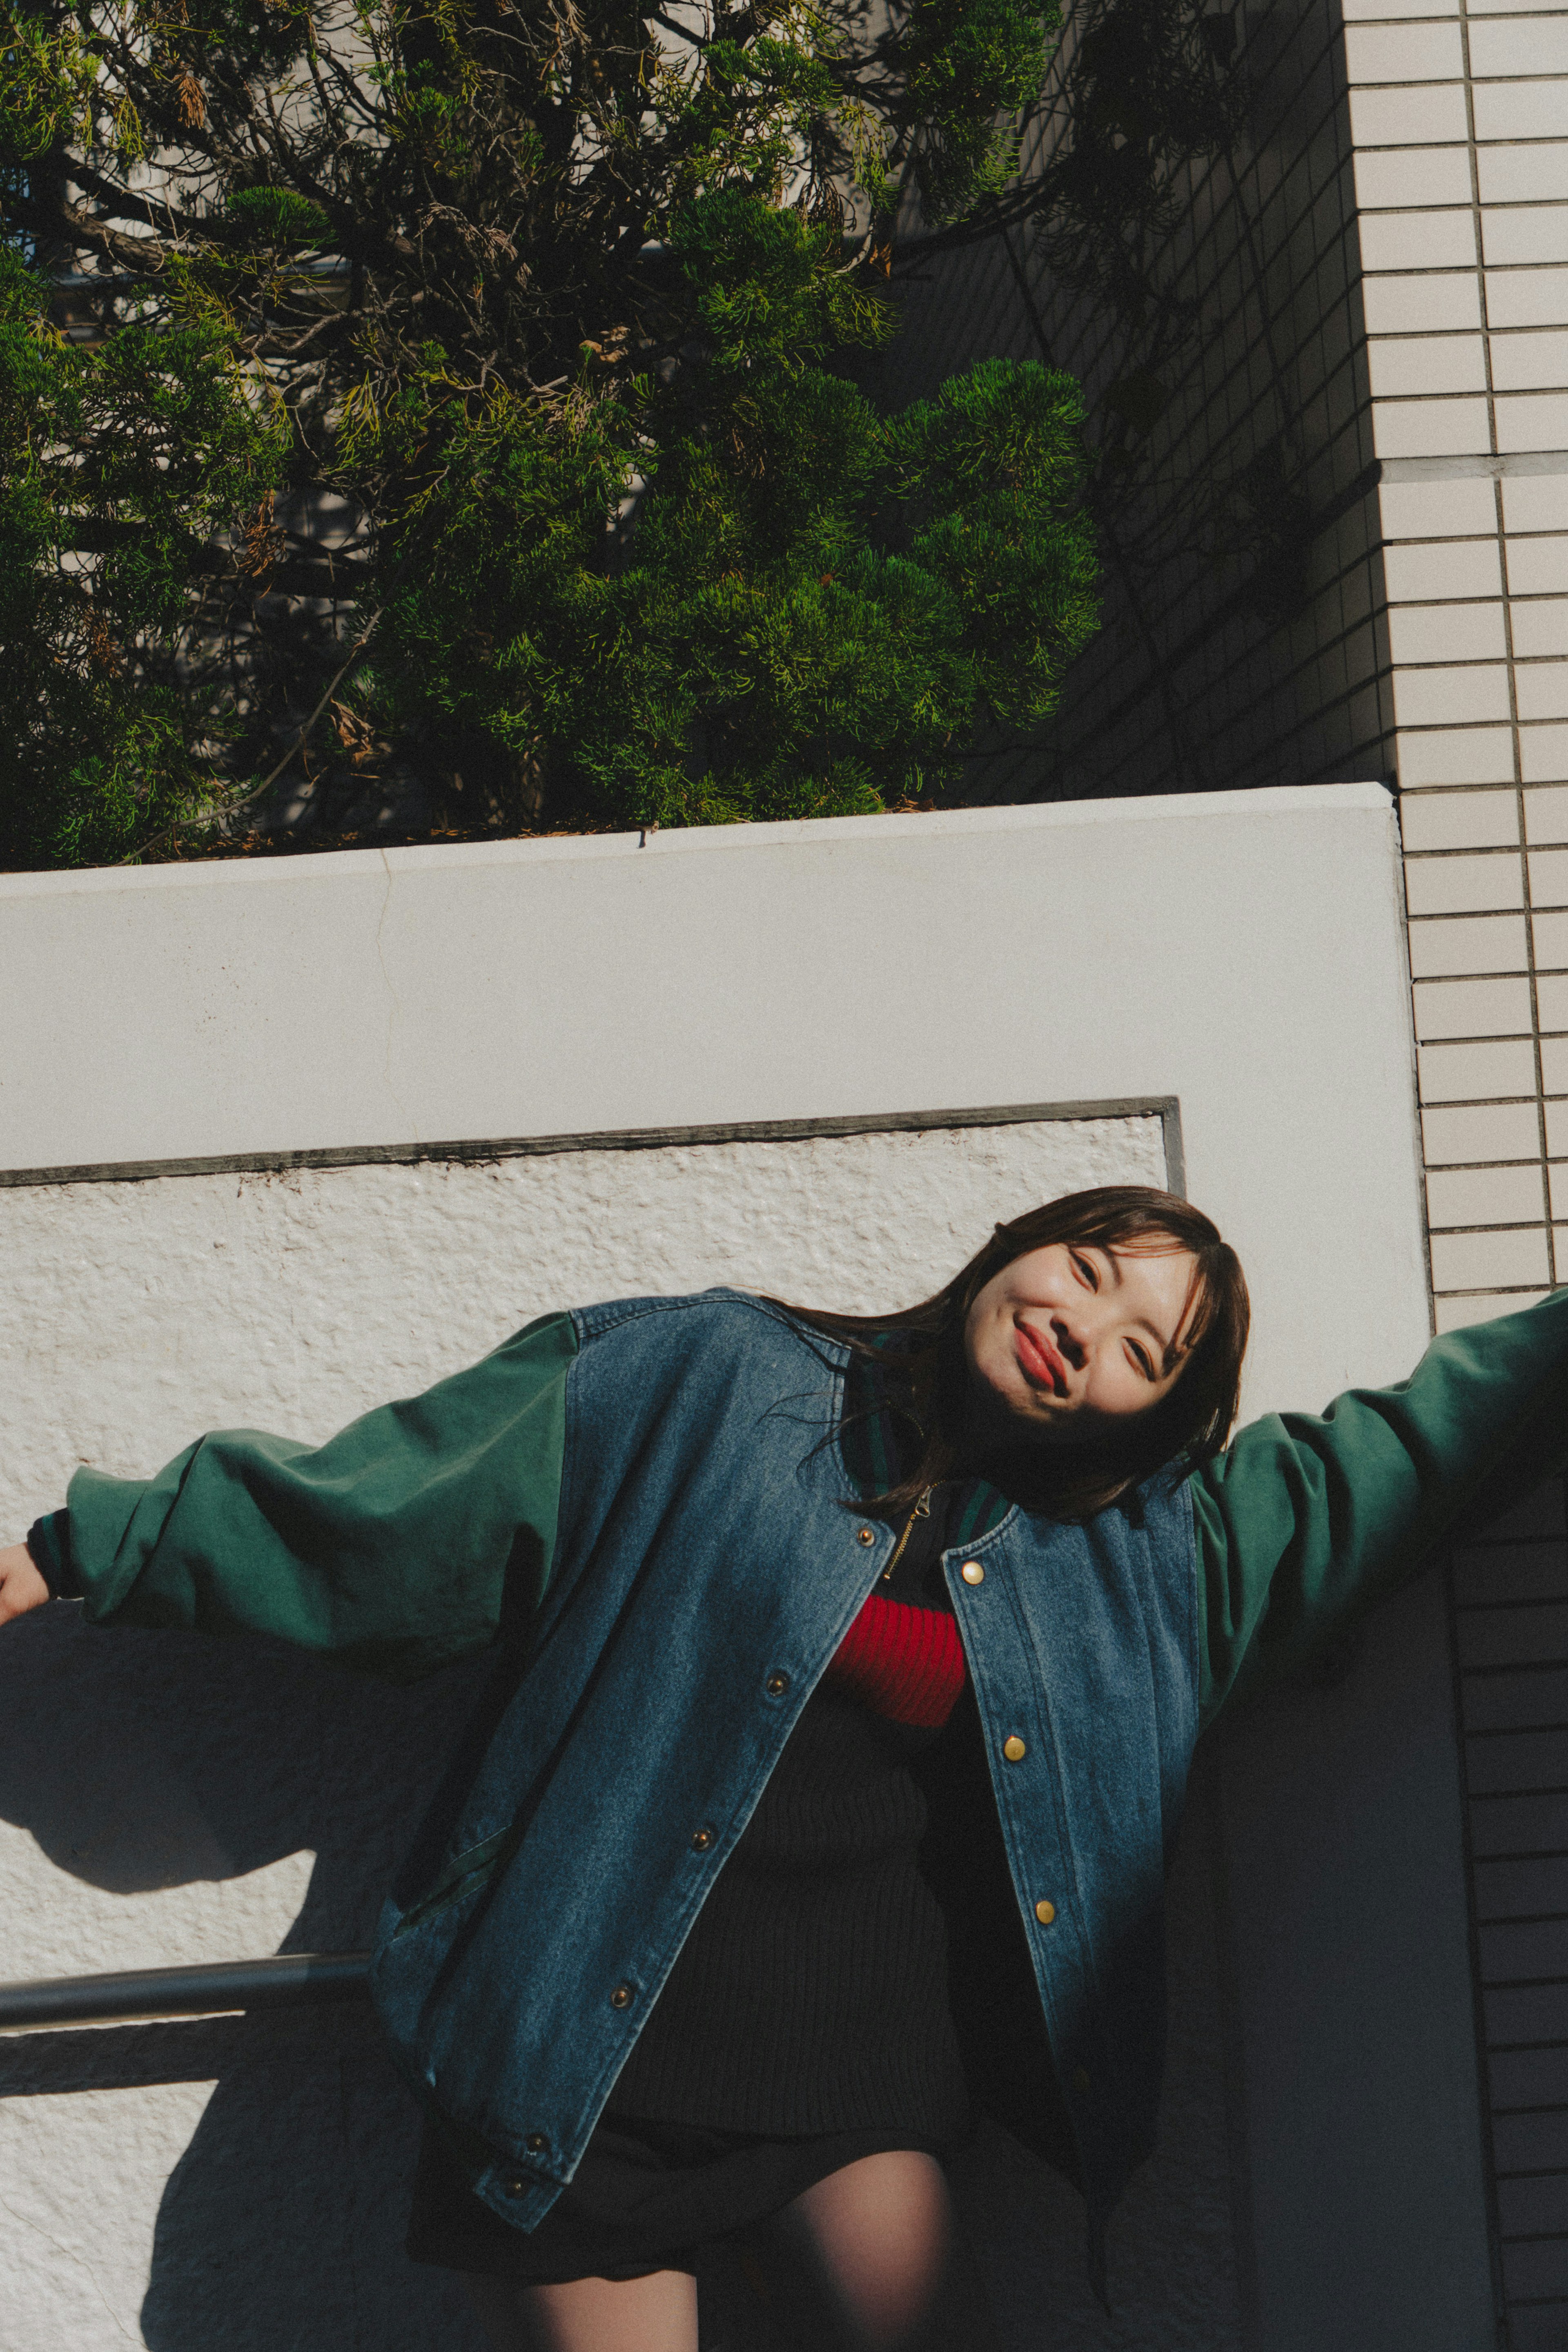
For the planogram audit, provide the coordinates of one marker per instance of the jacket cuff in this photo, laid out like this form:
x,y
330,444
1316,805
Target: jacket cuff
x,y
49,1542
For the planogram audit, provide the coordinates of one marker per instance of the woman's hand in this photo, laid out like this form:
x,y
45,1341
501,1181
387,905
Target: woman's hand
x,y
21,1586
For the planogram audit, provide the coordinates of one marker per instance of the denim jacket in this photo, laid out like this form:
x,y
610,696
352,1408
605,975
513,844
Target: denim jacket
x,y
704,1571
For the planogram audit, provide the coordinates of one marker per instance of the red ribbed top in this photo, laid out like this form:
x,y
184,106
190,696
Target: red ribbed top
x,y
903,1663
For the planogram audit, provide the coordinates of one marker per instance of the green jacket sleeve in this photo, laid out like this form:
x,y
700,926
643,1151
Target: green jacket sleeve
x,y
1305,1520
389,1549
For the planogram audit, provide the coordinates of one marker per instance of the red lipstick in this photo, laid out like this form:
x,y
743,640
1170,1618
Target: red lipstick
x,y
1039,1361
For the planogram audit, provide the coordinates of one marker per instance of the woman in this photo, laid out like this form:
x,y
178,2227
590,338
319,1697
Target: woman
x,y
849,1672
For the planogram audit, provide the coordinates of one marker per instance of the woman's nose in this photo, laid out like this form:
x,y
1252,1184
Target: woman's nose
x,y
1070,1342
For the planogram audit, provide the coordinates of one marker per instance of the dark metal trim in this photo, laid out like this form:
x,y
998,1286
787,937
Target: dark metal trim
x,y
1166,1108
286,1980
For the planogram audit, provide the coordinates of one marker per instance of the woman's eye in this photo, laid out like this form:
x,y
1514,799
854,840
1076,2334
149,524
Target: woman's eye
x,y
1144,1362
1087,1271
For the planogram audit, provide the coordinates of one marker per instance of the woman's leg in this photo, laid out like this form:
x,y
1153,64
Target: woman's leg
x,y
872,2260
658,2314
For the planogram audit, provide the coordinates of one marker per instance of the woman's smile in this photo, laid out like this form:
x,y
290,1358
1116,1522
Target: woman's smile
x,y
1073,1336
1039,1361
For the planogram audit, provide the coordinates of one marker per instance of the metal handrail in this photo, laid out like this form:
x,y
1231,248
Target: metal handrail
x,y
212,1988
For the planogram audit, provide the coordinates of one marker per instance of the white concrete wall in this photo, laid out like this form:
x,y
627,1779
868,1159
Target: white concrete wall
x,y
242,2182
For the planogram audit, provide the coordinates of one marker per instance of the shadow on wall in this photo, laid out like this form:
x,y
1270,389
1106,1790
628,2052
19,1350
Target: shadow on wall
x,y
140,1761
145,1760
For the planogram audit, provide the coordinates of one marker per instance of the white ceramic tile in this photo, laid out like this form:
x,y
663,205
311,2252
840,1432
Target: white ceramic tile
x,y
1454,755
1459,1314
1557,1132
1519,233
1537,502
1530,45
1518,109
1543,755
1531,420
1548,878
1552,1001
1465,692
1489,1261
1461,820
1446,633
1538,567
1554,1065
1409,117
1497,1132
1550,932
1540,689
1540,629
1546,819
1434,510
1435,240
1403,53
1477,1073
1512,7
1411,175
1557,1188
1427,303
1472,1008
1527,298
1529,174
1430,428
1468,1262
1404,364
1485,1196
1369,12
1463,885
1468,568
1525,362
1459,944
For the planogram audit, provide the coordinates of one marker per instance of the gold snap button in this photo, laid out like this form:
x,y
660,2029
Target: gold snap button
x,y
536,2143
621,1996
865,1535
777,1685
1045,1913
1014,1749
972,1572
702,1839
516,2187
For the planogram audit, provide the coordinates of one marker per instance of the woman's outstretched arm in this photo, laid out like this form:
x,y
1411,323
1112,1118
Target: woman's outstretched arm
x,y
391,1548
1306,1520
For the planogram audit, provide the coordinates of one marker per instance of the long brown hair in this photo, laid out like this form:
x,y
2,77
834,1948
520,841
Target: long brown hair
x,y
1189,1424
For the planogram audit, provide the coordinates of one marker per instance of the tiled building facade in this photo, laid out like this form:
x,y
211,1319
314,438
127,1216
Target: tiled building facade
x,y
1378,278
1379,274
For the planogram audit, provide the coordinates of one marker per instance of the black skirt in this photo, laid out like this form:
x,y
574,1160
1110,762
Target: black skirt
x,y
650,2190
644,2197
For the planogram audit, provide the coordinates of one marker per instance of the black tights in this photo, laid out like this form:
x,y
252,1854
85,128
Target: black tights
x,y
869,2260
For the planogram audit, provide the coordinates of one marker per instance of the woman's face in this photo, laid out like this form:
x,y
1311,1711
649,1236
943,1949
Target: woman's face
x,y
1075,1336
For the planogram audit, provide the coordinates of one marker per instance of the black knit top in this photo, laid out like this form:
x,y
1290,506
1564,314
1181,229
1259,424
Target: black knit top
x,y
812,1993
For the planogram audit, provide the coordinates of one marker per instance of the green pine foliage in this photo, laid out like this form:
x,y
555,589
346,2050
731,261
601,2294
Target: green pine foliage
x,y
116,468
815,603
560,298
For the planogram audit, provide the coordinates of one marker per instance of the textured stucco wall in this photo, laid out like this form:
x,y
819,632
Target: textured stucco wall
x,y
163,1798
140,1313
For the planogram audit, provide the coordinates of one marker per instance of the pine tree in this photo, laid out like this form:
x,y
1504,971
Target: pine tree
x,y
565,300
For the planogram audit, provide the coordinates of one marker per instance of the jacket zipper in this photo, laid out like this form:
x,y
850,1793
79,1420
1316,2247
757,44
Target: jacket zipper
x,y
922,1511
